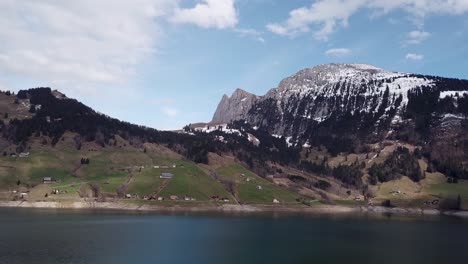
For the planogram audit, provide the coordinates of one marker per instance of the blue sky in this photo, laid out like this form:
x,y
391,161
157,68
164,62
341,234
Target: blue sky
x,y
167,63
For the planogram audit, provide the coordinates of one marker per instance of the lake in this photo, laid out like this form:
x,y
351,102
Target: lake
x,y
62,236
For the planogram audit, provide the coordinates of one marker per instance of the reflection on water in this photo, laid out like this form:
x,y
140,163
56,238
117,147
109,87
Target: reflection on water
x,y
62,236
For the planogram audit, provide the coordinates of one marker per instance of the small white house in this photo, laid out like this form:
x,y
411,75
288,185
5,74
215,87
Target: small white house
x,y
259,187
156,167
48,180
275,201
24,155
166,175
160,198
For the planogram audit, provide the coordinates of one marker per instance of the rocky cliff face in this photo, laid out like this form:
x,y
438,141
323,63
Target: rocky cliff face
x,y
314,95
339,100
235,107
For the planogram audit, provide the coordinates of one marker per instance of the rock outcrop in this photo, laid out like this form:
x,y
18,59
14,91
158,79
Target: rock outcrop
x,y
234,107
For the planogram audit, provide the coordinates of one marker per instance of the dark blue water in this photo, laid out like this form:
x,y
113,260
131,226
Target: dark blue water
x,y
48,236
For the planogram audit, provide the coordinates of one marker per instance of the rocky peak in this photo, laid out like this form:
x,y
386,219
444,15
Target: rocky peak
x,y
234,107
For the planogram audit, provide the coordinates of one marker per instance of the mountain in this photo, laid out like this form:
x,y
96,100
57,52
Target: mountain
x,y
231,108
56,149
356,101
352,108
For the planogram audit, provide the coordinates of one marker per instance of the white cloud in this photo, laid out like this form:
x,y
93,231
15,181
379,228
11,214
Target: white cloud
x,y
84,41
414,57
323,17
169,111
248,32
338,52
416,36
219,14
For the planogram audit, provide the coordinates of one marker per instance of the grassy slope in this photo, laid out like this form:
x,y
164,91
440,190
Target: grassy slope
x,y
193,182
247,192
109,168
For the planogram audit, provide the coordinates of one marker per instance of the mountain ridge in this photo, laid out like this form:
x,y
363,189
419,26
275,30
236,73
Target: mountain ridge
x,y
327,89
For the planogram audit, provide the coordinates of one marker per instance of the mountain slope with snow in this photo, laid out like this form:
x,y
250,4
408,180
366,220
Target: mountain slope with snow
x,y
364,92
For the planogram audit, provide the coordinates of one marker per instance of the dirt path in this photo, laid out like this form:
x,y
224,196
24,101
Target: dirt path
x,y
161,188
73,172
122,189
71,184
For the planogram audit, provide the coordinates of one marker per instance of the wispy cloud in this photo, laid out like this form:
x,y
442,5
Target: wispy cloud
x,y
323,17
416,37
248,32
414,57
219,14
338,52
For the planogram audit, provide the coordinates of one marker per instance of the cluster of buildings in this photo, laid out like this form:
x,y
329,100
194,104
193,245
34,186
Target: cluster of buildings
x,y
160,198
217,198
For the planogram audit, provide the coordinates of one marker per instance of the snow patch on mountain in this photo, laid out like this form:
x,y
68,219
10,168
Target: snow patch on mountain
x,y
222,127
254,140
452,94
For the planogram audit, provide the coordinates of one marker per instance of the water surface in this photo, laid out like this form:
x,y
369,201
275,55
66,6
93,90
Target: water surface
x,y
50,236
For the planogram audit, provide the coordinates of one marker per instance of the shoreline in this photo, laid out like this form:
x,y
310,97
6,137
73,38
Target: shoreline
x,y
230,208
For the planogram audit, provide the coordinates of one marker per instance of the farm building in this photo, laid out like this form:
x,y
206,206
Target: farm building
x,y
24,155
166,175
48,180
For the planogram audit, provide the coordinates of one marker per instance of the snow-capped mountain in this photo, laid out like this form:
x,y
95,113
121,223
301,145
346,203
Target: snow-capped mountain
x,y
370,96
